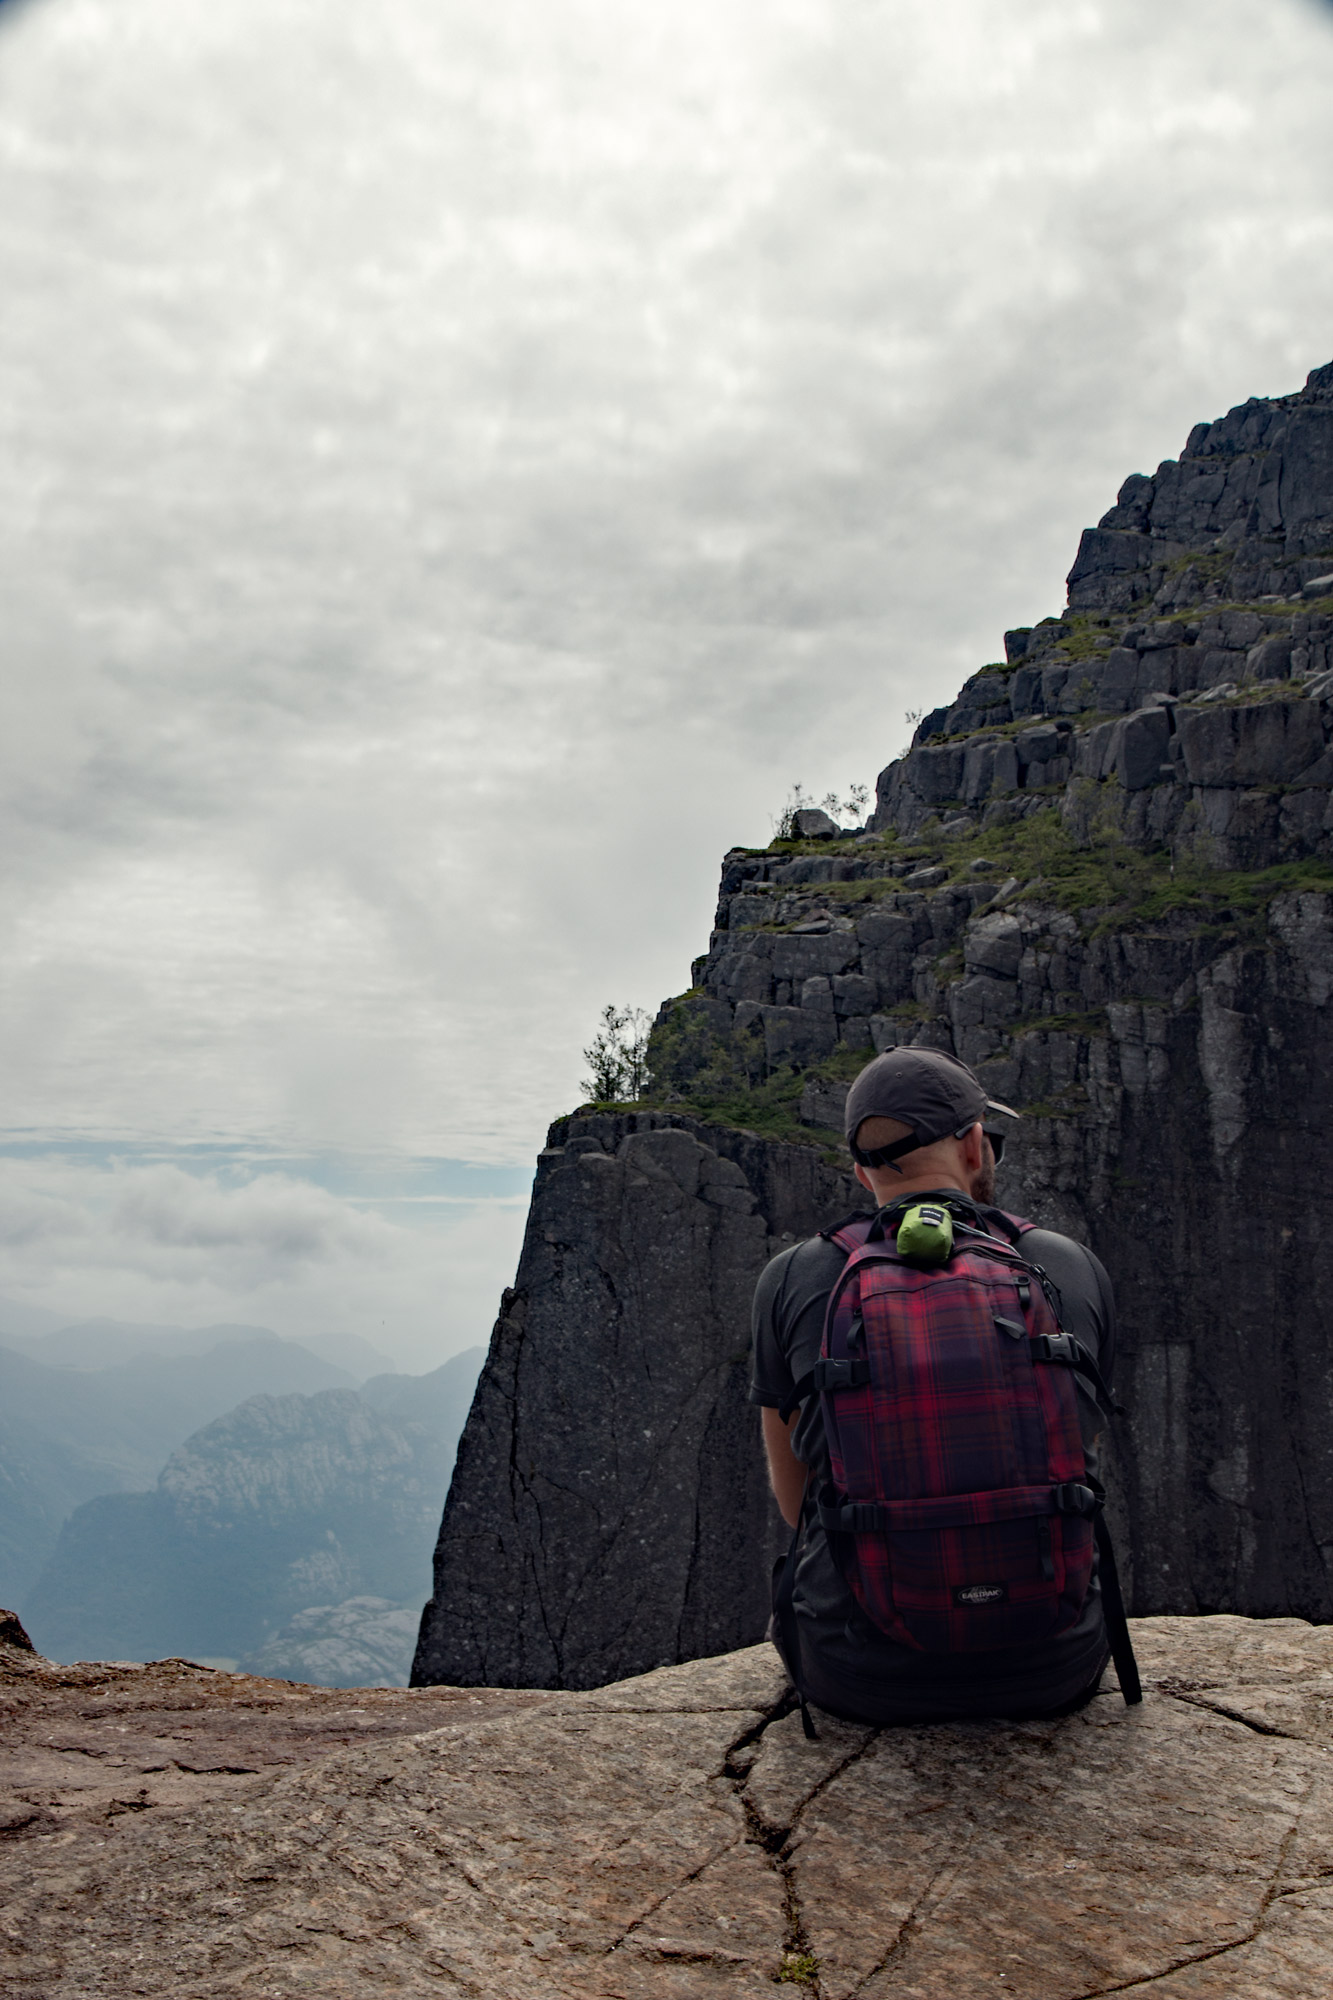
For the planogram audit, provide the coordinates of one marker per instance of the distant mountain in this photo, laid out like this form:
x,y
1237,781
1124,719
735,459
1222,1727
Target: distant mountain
x,y
266,1532
20,1321
101,1343
363,1642
440,1401
69,1434
286,1502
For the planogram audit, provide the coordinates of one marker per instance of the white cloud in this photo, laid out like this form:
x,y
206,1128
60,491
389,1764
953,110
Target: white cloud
x,y
150,1241
460,464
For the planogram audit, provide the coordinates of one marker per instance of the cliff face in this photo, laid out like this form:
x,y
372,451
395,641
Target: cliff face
x,y
1104,877
609,1502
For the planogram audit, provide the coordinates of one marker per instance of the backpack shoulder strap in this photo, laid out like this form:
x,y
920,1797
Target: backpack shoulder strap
x,y
1012,1226
851,1232
850,1236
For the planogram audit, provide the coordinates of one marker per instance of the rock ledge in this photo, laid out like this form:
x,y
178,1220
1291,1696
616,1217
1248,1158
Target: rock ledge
x,y
170,1830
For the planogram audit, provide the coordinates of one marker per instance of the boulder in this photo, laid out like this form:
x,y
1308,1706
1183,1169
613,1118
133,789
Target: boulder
x,y
1039,745
823,1104
813,823
799,1035
1138,748
1254,743
801,953
994,944
935,772
1109,569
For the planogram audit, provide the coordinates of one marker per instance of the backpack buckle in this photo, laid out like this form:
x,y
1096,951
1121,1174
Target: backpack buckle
x,y
1073,1498
849,1374
1053,1347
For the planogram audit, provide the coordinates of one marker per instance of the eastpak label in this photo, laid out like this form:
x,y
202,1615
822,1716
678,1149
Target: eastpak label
x,y
969,1595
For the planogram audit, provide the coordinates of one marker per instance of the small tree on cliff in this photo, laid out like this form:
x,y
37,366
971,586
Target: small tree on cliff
x,y
617,1056
852,807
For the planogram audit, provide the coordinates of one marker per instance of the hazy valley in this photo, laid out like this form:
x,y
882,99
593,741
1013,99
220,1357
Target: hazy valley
x,y
222,1493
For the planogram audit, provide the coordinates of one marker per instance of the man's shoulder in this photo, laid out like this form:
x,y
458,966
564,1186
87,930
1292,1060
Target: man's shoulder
x,y
1037,1239
802,1266
1071,1266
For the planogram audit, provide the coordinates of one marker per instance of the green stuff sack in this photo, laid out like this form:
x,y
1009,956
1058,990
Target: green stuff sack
x,y
926,1234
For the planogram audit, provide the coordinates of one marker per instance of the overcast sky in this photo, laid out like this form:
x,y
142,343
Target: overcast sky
x,y
462,461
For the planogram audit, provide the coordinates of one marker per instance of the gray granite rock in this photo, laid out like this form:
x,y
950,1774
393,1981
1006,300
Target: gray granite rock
x,y
1138,748
671,1837
994,944
798,1035
609,1510
1258,743
813,823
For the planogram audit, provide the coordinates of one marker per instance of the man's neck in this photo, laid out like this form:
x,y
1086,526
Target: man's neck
x,y
911,1190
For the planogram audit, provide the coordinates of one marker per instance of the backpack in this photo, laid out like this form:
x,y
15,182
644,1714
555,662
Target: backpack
x,y
959,1509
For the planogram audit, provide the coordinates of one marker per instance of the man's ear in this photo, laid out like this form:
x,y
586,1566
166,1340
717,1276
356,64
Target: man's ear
x,y
974,1145
864,1179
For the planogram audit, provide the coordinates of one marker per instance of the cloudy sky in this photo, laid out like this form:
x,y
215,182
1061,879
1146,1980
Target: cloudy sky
x,y
462,461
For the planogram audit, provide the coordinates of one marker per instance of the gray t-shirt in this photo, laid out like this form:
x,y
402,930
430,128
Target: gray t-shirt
x,y
847,1664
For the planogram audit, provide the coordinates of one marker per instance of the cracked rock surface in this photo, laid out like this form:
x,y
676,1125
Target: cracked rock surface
x,y
169,1830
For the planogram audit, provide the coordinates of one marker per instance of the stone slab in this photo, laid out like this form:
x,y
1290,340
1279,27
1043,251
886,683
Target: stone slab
x,y
171,1831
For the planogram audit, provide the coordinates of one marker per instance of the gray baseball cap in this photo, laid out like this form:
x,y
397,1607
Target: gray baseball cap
x,y
933,1093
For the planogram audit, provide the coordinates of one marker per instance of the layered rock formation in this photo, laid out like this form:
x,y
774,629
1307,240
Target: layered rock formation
x,y
169,1831
1104,876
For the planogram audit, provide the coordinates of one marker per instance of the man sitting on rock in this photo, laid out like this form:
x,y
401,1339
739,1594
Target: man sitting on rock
x,y
914,1122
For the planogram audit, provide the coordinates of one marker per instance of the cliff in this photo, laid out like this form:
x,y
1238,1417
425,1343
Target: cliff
x,y
609,1508
1103,876
167,1830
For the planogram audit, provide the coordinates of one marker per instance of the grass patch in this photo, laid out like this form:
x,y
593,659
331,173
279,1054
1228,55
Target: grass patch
x,y
1209,564
719,1078
851,844
1093,1023
1108,884
1083,636
798,1968
1111,884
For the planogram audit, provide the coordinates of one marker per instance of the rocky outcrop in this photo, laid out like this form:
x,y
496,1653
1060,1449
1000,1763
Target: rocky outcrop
x,y
1104,877
608,1479
172,1831
1182,689
359,1642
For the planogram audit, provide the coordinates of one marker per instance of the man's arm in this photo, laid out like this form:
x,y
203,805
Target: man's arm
x,y
785,1471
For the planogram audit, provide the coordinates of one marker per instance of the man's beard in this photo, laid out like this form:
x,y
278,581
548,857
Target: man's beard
x,y
983,1180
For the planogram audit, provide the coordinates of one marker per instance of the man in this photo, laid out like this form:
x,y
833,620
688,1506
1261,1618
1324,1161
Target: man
x,y
914,1122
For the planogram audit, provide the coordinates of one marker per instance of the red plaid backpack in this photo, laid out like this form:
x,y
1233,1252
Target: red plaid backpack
x,y
960,1509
